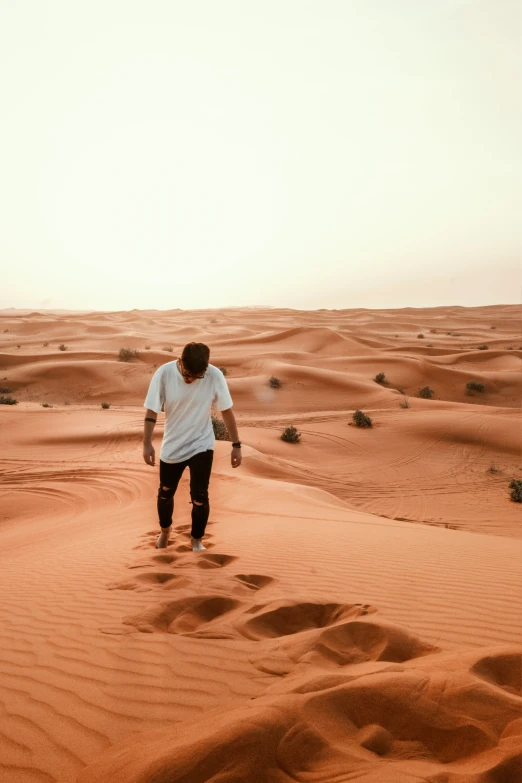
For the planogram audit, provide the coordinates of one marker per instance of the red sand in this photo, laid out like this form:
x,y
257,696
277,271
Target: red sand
x,y
357,615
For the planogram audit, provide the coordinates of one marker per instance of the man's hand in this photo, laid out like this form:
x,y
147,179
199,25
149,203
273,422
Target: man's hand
x,y
236,458
149,455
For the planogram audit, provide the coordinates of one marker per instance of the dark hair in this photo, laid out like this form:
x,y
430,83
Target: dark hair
x,y
195,357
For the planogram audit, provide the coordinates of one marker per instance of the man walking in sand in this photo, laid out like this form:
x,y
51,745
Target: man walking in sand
x,y
186,389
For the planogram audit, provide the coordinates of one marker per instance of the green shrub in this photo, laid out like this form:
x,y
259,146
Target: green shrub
x,y
62,347
483,347
220,429
8,401
223,370
380,378
126,354
475,386
421,336
274,382
426,393
516,490
46,405
105,405
361,419
290,435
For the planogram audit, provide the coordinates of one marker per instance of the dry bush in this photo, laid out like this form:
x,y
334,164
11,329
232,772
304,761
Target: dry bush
x,y
361,419
126,354
220,429
290,435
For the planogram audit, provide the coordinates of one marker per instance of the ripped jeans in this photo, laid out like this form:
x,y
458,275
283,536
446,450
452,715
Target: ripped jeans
x,y
200,466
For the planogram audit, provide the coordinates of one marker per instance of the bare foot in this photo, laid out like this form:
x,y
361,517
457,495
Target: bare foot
x,y
163,538
197,546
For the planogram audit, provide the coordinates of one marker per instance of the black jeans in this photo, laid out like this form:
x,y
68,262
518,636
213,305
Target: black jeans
x,y
200,466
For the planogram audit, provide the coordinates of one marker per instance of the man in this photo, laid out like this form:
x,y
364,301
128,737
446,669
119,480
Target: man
x,y
186,390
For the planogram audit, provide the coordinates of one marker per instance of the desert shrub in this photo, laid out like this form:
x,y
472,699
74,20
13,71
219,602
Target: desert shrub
x,y
62,347
361,419
8,401
274,382
380,378
510,348
46,405
433,331
483,347
516,490
168,348
6,330
492,327
18,346
396,335
220,429
475,386
105,405
5,390
126,354
147,347
430,345
404,403
493,469
45,345
223,370
456,334
426,393
421,336
290,435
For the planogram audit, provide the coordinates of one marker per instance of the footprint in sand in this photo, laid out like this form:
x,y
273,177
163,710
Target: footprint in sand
x,y
503,670
214,561
254,582
185,616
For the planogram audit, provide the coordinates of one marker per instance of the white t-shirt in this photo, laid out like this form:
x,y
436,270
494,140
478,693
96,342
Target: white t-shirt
x,y
188,426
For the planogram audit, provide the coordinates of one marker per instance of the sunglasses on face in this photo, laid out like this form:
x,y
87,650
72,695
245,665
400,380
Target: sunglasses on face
x,y
189,376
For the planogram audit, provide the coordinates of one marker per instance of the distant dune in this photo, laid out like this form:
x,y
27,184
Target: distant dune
x,y
357,615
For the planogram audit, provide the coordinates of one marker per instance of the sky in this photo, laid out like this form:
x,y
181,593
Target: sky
x,y
287,153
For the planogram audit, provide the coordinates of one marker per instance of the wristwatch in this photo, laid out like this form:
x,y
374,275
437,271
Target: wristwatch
x,y
236,445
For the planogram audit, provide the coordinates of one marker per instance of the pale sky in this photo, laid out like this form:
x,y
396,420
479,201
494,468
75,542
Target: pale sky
x,y
292,153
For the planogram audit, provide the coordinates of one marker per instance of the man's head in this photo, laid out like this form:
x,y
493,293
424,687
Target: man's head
x,y
194,360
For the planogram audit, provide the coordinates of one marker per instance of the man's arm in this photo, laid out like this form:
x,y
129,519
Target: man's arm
x,y
230,423
148,449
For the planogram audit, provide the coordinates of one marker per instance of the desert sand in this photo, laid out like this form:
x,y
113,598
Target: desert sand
x,y
357,615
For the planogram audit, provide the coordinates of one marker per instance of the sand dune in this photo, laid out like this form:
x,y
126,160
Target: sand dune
x,y
357,615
